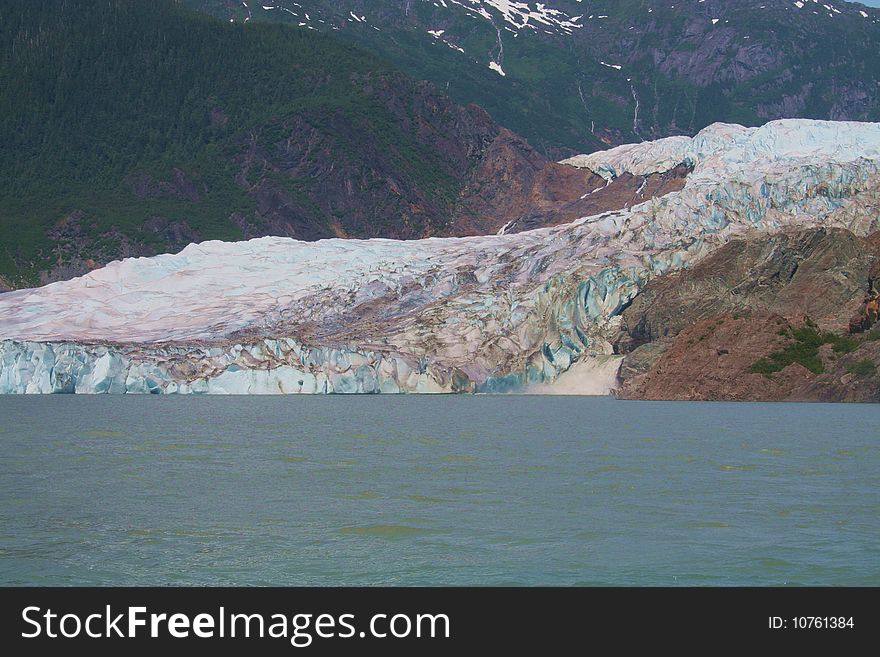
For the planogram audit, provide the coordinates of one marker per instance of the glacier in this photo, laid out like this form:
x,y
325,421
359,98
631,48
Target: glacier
x,y
497,313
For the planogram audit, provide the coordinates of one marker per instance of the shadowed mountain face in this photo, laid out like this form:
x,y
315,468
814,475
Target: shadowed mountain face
x,y
576,75
133,129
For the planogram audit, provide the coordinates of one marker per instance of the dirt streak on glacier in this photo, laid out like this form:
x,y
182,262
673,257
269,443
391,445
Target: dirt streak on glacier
x,y
480,314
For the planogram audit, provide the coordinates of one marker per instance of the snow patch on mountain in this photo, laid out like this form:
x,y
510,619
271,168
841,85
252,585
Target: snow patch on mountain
x,y
523,15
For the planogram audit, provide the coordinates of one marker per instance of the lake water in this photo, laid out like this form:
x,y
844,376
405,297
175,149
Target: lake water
x,y
405,490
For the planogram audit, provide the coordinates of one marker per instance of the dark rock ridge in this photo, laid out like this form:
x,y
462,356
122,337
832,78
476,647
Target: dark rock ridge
x,y
712,331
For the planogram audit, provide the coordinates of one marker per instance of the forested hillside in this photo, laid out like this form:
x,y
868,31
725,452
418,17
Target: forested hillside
x,y
582,74
130,128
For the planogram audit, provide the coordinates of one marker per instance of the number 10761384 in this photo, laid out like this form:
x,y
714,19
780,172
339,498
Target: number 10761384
x,y
811,623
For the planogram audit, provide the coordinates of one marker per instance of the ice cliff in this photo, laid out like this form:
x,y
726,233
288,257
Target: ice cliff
x,y
491,313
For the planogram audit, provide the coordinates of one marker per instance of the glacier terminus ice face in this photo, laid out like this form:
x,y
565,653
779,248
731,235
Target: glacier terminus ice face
x,y
477,314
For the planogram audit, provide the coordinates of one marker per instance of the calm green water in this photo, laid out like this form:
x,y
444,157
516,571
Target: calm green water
x,y
436,490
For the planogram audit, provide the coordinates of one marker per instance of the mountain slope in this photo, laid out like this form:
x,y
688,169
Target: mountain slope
x,y
581,74
130,128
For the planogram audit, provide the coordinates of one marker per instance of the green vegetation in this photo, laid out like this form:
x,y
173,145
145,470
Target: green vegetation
x,y
555,89
94,94
551,94
863,367
804,350
843,344
527,100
